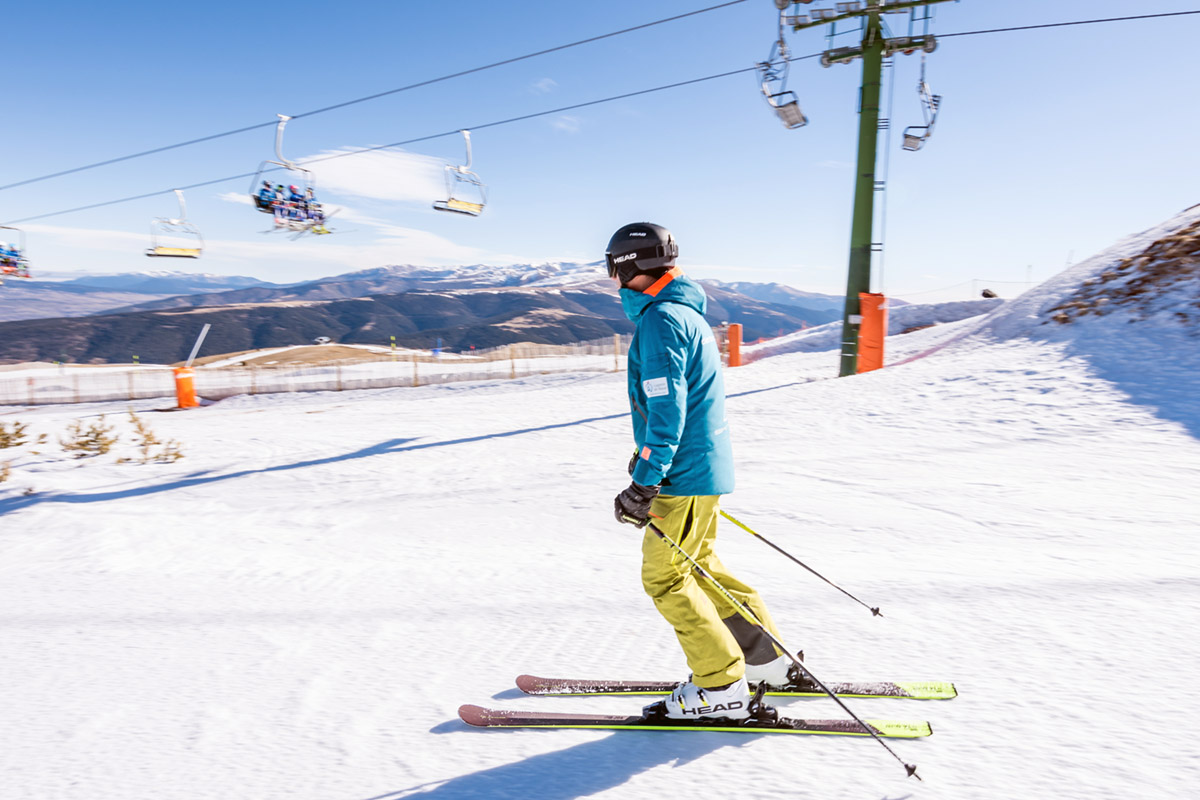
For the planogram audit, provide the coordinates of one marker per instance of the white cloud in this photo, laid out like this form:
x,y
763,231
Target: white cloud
x,y
392,175
235,197
544,86
92,239
276,257
566,123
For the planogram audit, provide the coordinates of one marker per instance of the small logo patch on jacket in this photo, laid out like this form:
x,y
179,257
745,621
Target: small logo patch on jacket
x,y
655,387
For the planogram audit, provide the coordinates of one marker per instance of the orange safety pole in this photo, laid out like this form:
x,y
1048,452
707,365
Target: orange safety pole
x,y
873,330
735,344
185,387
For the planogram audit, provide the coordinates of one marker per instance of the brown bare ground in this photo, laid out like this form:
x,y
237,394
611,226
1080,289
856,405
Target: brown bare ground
x,y
1134,283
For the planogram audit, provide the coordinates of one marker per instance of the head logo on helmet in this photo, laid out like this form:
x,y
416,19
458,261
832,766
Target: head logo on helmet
x,y
640,248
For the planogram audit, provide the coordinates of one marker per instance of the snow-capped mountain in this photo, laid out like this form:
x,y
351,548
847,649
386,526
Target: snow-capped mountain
x,y
165,282
476,276
781,294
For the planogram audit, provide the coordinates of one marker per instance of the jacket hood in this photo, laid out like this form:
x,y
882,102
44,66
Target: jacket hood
x,y
681,289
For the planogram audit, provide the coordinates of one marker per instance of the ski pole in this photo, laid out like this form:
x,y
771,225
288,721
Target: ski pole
x,y
749,615
743,526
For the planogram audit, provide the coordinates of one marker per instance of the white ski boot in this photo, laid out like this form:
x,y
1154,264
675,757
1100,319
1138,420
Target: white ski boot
x,y
689,701
776,674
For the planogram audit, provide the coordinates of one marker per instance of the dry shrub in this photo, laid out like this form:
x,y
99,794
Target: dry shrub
x,y
13,436
94,440
146,440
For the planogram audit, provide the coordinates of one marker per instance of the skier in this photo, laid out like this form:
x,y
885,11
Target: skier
x,y
683,463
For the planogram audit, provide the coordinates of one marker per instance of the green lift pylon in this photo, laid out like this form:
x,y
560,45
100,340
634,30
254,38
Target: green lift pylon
x,y
873,49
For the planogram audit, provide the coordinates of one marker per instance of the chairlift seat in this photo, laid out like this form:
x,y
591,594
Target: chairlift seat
x,y
459,206
174,252
788,109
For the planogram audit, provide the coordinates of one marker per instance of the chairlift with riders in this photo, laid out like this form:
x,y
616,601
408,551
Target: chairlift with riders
x,y
175,237
13,262
465,192
296,210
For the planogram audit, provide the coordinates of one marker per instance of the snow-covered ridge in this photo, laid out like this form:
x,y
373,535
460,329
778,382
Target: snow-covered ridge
x,y
1152,277
550,273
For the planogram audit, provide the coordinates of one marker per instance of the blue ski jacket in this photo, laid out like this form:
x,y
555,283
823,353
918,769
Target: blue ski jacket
x,y
676,391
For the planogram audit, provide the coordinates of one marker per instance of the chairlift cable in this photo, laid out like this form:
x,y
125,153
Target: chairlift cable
x,y
1065,24
513,60
375,96
455,132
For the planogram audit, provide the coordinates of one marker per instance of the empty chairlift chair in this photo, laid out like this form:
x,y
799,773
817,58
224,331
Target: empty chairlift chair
x,y
175,238
773,74
915,136
465,192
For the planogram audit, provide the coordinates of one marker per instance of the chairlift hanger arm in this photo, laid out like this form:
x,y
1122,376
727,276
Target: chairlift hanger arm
x,y
870,7
467,138
283,121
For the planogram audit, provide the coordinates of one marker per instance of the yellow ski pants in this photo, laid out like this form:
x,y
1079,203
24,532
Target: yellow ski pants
x,y
715,638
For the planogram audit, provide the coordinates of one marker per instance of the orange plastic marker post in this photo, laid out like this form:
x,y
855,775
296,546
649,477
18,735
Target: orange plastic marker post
x,y
185,387
735,344
873,330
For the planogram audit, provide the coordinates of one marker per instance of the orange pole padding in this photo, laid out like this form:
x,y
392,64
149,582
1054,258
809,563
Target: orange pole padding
x,y
735,344
873,330
185,387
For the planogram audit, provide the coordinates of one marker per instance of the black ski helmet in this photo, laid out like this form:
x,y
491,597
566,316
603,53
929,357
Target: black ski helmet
x,y
640,248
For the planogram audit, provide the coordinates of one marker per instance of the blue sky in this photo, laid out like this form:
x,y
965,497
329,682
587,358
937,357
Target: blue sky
x,y
1050,142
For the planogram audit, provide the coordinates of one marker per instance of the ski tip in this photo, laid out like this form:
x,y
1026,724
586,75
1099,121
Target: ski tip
x,y
474,715
529,683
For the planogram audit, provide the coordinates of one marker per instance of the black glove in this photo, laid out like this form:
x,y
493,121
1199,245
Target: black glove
x,y
633,504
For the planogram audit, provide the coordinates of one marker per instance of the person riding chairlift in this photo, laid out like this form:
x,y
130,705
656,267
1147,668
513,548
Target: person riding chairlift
x,y
266,195
280,205
295,202
313,207
10,257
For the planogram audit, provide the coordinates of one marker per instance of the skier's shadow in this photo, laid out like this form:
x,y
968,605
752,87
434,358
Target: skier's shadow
x,y
579,771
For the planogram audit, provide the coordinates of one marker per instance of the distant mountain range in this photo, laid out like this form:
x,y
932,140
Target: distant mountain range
x,y
476,305
101,294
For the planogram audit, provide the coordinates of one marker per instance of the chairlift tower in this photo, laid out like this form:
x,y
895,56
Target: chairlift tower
x,y
873,49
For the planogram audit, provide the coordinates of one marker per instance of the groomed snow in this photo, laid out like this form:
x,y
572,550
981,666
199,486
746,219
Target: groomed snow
x,y
298,607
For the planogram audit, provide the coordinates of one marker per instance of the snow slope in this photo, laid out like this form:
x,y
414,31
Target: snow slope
x,y
297,608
